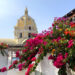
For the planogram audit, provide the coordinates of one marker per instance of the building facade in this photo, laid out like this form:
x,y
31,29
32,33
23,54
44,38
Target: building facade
x,y
71,15
24,27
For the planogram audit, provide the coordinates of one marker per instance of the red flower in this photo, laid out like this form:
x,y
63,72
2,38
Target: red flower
x,y
20,56
3,69
27,73
20,67
50,57
17,54
23,51
40,50
72,24
30,66
33,59
70,43
2,44
59,61
10,66
15,62
66,55
23,64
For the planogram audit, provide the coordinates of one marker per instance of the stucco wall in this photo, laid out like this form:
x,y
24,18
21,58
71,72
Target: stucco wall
x,y
16,72
3,63
47,68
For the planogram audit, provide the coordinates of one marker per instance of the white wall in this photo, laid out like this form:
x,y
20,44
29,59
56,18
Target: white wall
x,y
3,63
47,68
17,72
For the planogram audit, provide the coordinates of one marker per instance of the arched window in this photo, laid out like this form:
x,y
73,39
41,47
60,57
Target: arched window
x,y
29,27
20,36
29,35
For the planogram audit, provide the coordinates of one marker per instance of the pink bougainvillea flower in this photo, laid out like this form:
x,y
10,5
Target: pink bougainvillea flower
x,y
66,55
70,43
59,61
15,61
40,50
20,67
3,69
33,59
23,64
51,57
17,53
25,50
27,73
10,66
29,67
1,43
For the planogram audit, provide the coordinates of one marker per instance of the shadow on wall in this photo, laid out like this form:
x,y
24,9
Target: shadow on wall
x,y
38,73
17,72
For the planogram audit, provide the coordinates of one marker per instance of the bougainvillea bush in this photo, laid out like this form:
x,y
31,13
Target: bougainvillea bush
x,y
58,41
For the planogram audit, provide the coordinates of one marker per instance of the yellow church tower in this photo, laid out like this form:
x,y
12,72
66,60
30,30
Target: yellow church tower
x,y
24,27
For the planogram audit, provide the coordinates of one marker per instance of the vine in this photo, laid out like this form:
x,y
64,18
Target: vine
x,y
58,40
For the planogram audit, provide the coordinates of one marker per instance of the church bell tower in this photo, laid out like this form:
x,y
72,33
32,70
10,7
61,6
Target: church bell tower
x,y
24,27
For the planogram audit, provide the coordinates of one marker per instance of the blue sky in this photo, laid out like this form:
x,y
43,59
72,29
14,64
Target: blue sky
x,y
43,11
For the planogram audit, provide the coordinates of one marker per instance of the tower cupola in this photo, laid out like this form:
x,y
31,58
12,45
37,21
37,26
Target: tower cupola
x,y
26,12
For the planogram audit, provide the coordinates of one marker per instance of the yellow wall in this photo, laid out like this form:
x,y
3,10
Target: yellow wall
x,y
22,26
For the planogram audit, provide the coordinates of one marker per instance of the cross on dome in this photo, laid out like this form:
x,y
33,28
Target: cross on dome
x,y
26,11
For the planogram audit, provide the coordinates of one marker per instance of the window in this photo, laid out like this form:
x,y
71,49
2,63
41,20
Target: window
x,y
29,28
12,57
29,35
73,19
20,36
